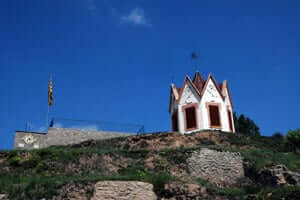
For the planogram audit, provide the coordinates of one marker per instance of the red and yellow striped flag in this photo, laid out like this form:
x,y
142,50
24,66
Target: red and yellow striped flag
x,y
50,93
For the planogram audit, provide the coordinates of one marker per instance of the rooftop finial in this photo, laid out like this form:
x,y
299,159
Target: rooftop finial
x,y
194,57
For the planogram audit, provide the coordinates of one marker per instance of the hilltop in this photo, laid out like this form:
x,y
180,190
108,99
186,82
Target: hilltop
x,y
202,165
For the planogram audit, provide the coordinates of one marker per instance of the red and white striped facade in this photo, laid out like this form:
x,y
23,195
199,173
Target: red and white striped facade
x,y
201,105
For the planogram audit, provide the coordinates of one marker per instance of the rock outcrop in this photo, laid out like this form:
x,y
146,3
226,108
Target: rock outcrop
x,y
174,191
75,191
220,168
123,190
3,197
278,175
164,140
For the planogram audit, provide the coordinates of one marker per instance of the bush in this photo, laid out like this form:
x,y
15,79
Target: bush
x,y
278,135
286,192
293,140
176,157
204,141
228,192
245,125
158,181
32,162
15,161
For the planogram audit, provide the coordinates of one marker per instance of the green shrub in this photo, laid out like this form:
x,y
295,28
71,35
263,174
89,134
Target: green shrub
x,y
175,156
41,166
159,180
32,162
245,125
15,161
278,135
293,139
204,141
229,192
282,193
238,139
137,172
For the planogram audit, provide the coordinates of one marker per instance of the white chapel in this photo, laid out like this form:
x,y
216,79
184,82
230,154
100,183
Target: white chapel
x,y
201,105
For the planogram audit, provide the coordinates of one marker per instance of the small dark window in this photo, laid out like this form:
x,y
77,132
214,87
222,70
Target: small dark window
x,y
190,117
214,116
175,122
230,120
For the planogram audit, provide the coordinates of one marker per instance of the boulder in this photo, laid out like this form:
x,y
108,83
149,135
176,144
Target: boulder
x,y
184,191
278,175
3,197
75,191
123,190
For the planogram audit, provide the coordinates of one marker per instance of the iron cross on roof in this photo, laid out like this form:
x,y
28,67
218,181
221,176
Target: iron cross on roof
x,y
194,57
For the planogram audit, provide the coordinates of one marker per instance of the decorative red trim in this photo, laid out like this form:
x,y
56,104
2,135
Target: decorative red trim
x,y
195,105
232,120
208,113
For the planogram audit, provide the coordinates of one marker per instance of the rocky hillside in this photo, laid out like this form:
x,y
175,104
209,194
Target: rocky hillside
x,y
204,165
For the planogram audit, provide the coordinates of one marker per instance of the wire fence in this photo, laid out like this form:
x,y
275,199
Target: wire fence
x,y
91,125
7,134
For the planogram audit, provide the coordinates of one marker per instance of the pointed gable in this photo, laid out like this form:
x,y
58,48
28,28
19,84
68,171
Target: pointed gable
x,y
199,85
173,93
187,81
226,92
210,77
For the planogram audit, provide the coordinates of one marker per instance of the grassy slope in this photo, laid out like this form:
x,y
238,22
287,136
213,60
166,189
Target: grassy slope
x,y
40,173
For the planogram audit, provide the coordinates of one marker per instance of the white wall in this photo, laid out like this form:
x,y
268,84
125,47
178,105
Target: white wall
x,y
211,95
189,96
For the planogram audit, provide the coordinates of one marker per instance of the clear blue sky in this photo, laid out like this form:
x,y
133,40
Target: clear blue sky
x,y
113,60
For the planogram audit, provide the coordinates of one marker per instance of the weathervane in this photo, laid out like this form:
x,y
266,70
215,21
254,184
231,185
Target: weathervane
x,y
194,57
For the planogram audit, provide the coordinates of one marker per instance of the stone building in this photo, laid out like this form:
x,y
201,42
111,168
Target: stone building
x,y
60,136
201,104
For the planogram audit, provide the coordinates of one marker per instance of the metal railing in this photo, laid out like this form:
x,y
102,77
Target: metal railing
x,y
93,125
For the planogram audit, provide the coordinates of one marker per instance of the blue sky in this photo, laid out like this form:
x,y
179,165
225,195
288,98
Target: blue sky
x,y
113,60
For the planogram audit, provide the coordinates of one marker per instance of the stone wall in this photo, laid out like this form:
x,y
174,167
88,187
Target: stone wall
x,y
60,136
220,168
123,190
21,140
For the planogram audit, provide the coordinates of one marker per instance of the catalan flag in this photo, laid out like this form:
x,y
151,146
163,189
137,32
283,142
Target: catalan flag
x,y
50,93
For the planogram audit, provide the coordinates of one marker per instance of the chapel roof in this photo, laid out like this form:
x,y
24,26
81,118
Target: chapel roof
x,y
199,84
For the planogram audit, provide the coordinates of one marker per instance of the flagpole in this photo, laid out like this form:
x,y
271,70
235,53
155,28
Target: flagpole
x,y
50,88
47,117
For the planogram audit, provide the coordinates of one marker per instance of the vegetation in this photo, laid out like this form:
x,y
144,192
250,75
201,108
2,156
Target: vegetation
x,y
293,139
38,174
229,192
287,192
245,125
278,136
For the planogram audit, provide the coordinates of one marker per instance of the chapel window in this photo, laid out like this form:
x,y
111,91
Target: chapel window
x,y
214,115
190,118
